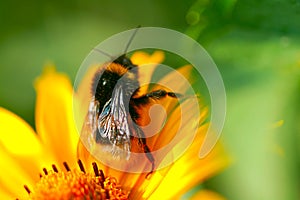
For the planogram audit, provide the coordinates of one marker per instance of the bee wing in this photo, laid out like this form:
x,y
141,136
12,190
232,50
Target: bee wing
x,y
113,124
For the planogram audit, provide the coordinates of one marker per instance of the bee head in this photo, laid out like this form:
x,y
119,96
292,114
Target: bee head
x,y
125,61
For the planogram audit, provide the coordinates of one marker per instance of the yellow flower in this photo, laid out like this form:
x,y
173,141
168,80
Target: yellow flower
x,y
46,162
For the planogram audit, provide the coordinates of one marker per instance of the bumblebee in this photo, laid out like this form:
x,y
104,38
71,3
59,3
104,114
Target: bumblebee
x,y
114,108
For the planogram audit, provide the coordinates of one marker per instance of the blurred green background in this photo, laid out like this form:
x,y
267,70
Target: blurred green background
x,y
255,44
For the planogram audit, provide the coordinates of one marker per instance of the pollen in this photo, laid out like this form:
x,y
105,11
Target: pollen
x,y
76,185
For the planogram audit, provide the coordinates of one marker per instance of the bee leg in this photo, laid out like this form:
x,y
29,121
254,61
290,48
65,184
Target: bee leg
x,y
158,94
149,156
155,95
146,149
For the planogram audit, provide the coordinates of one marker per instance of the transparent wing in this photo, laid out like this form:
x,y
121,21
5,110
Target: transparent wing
x,y
108,131
113,124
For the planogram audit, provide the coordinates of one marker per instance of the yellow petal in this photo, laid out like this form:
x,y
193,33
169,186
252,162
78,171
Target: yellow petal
x,y
147,64
189,170
54,115
141,58
5,195
16,135
20,142
13,177
178,80
206,195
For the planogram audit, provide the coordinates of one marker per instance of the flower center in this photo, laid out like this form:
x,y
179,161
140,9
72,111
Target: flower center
x,y
75,184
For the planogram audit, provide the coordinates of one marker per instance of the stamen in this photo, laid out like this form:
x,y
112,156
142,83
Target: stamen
x,y
45,171
102,174
81,166
102,184
66,166
27,189
57,184
54,168
96,170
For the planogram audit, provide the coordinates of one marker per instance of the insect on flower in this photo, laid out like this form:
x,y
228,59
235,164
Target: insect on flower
x,y
112,118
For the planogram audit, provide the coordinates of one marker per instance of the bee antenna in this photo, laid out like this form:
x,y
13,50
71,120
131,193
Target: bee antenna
x,y
104,53
131,38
